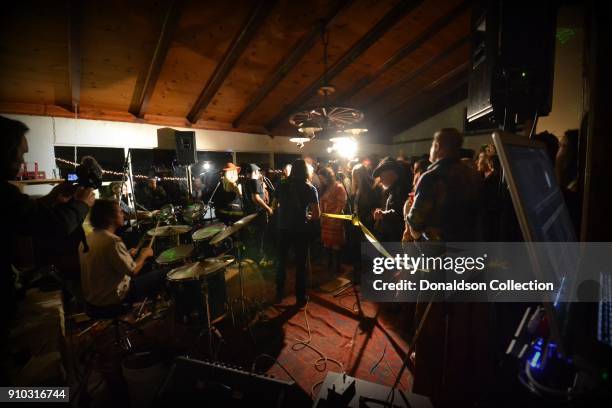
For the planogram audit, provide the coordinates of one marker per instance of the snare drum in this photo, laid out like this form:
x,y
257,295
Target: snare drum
x,y
201,241
188,283
176,256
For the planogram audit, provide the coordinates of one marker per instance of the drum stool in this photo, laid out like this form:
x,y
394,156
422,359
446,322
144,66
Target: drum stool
x,y
114,313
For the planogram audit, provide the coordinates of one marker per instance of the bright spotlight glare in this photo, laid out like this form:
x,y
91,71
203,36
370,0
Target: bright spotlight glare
x,y
206,166
346,147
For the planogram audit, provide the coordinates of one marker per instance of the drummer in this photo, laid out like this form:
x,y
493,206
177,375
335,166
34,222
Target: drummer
x,y
110,274
228,200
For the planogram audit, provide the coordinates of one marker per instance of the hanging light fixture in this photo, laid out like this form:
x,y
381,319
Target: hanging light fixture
x,y
326,117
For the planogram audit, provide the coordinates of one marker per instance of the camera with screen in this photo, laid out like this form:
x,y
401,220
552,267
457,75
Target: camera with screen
x,y
88,174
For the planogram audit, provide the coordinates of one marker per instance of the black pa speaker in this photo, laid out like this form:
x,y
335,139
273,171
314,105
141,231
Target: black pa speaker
x,y
185,147
513,47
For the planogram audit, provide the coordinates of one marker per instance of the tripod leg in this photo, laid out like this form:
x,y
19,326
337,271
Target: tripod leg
x,y
416,336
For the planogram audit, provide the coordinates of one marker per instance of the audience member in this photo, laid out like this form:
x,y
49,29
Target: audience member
x,y
333,200
388,218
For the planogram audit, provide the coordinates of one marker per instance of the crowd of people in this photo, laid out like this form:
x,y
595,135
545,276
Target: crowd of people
x,y
443,196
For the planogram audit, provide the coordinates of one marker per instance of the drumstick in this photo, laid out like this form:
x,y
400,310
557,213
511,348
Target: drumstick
x,y
154,236
140,243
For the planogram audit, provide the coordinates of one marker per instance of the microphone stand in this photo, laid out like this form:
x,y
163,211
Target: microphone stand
x,y
210,199
128,176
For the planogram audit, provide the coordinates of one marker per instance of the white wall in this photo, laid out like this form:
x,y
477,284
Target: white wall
x,y
451,117
567,103
45,132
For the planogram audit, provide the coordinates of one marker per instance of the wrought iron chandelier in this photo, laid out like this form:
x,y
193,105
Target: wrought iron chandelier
x,y
325,117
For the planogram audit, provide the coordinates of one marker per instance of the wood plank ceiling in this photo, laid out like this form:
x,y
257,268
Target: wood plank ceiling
x,y
237,65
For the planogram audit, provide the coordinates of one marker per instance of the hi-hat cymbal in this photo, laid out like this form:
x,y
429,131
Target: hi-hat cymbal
x,y
229,231
168,230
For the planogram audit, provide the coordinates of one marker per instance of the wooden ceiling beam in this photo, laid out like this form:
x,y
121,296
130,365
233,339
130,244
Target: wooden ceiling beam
x,y
145,86
405,51
257,16
410,76
290,61
74,54
374,34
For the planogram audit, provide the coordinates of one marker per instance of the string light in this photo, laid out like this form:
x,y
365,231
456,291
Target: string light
x,y
118,173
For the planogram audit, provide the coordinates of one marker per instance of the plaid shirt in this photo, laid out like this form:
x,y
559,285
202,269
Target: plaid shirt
x,y
447,202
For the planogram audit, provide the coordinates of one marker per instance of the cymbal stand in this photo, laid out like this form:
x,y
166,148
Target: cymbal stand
x,y
242,298
209,326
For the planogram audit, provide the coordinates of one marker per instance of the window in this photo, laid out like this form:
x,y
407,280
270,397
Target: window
x,y
260,159
282,159
109,158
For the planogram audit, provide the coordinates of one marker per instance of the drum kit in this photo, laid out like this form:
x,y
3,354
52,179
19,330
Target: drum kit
x,y
198,263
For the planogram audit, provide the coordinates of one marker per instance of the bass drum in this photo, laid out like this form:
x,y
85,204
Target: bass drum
x,y
187,285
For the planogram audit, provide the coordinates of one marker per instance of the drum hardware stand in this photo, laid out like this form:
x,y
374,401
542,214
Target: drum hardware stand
x,y
242,298
209,326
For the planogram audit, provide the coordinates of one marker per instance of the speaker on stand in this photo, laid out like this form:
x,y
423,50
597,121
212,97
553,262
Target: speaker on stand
x,y
185,146
513,48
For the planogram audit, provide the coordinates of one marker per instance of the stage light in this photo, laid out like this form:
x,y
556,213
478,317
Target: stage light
x,y
206,166
344,146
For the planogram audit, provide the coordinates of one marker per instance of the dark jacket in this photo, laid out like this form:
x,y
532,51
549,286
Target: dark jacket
x,y
391,227
448,202
26,216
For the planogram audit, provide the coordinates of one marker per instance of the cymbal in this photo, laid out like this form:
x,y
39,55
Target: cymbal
x,y
171,255
208,232
199,269
229,231
168,230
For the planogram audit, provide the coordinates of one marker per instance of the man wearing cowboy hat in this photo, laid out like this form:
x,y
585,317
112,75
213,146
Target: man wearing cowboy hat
x,y
388,220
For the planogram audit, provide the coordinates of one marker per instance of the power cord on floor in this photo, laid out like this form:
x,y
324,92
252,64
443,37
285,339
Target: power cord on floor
x,y
382,357
320,363
354,308
269,357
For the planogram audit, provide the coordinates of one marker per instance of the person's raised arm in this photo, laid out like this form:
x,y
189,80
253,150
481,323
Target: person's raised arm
x,y
38,216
